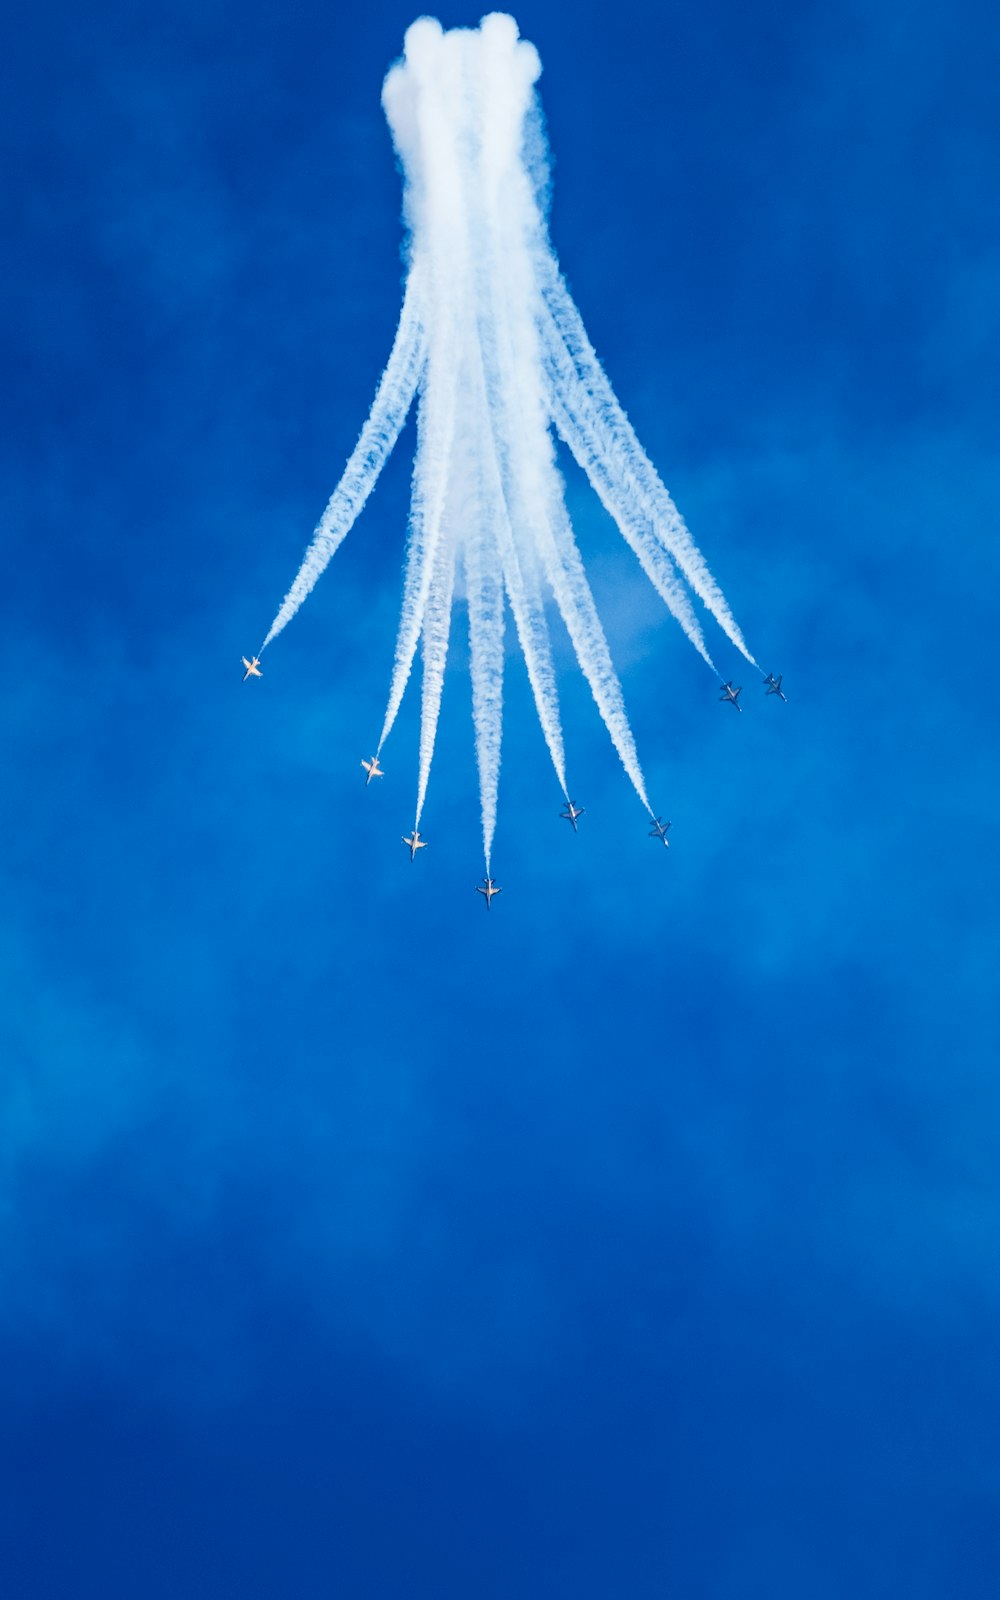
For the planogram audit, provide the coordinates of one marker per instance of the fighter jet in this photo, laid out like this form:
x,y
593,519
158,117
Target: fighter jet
x,y
253,668
415,843
373,770
490,890
772,685
572,813
659,831
732,695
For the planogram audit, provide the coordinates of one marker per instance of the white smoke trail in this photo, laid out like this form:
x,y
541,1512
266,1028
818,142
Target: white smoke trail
x,y
437,208
528,607
509,527
522,401
484,583
435,421
393,399
535,486
576,603
508,71
436,629
493,342
576,426
624,455
520,574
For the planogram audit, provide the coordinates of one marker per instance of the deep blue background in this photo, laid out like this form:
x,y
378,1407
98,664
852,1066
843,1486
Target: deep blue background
x,y
642,1238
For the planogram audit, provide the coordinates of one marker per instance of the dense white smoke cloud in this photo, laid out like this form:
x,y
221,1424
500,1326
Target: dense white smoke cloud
x,y
490,338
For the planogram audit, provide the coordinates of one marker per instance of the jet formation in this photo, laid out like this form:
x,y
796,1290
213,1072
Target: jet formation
x,y
571,812
731,695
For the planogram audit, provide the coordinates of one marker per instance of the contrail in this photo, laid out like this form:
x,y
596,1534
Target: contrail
x,y
491,341
580,429
623,450
436,629
430,488
393,399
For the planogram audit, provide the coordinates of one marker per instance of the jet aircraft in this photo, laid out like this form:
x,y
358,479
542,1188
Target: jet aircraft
x,y
659,831
253,668
415,843
373,770
490,890
772,685
731,695
572,814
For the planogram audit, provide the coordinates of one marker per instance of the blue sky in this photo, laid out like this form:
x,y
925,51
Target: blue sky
x,y
643,1237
